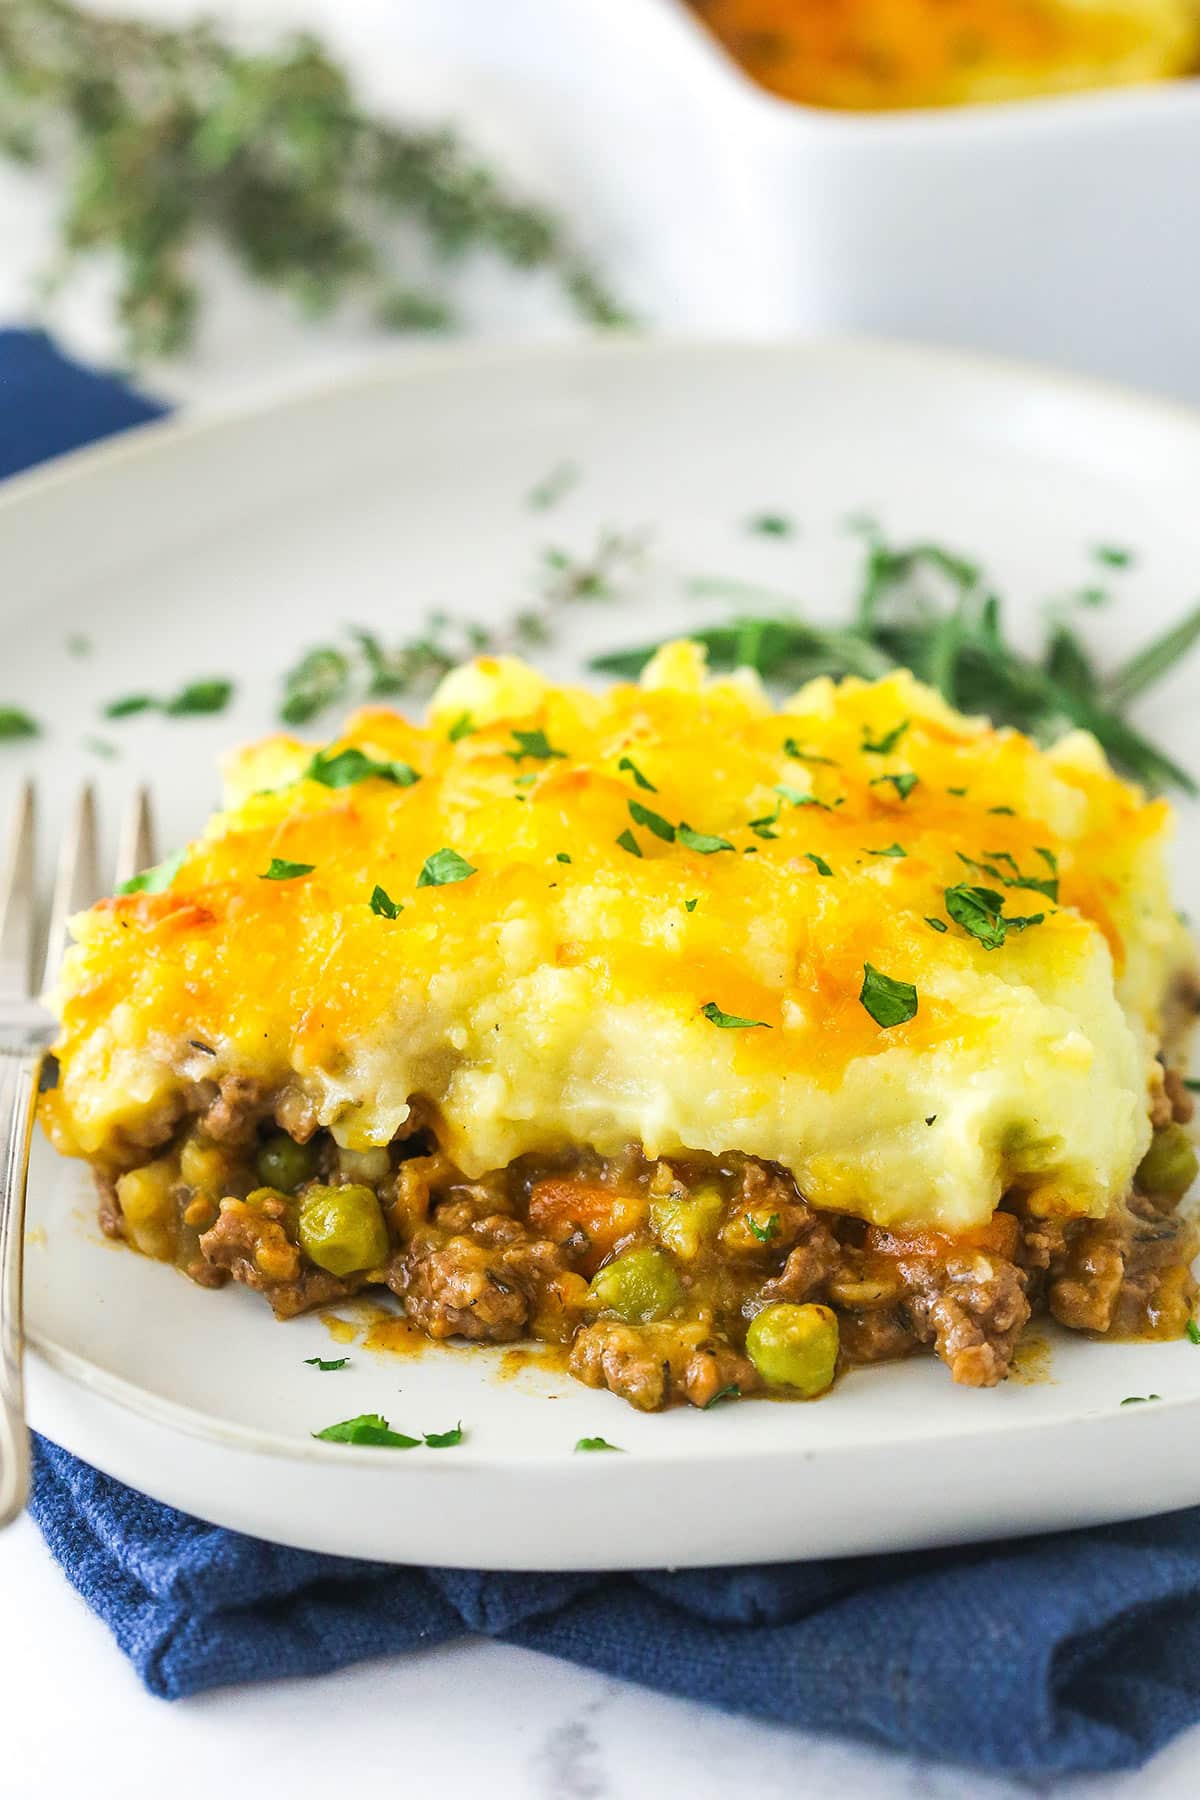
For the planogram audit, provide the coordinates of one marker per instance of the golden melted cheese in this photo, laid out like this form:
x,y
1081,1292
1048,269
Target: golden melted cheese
x,y
556,995
875,54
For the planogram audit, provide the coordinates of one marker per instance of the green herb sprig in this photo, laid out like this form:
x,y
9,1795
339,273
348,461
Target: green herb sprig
x,y
928,609
171,136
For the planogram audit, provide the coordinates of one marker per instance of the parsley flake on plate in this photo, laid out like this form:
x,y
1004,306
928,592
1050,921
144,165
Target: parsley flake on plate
x,y
890,850
128,705
327,1367
732,1392
209,696
156,880
1139,1399
730,1021
346,768
596,1443
16,724
462,727
383,905
937,924
1193,1331
367,1428
797,797
770,525
279,869
888,1001
443,867
818,863
1113,556
691,905
561,856
628,842
628,765
320,678
443,1440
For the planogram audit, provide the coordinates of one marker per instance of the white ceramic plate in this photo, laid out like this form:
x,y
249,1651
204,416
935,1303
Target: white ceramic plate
x,y
229,546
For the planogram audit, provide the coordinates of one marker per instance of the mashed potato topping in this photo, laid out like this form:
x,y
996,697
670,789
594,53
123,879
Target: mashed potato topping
x,y
917,962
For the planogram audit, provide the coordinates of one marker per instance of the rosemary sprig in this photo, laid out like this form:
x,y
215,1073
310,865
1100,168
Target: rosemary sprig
x,y
929,609
169,136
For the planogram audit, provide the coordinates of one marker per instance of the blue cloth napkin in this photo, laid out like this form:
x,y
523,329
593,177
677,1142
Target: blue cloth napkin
x,y
1040,1657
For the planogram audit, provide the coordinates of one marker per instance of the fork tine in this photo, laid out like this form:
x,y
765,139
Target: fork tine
x,y
76,881
135,850
16,904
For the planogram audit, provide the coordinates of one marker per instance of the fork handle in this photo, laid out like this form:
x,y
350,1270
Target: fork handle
x,y
18,1088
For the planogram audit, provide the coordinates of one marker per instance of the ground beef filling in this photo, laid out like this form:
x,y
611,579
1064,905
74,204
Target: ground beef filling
x,y
651,1272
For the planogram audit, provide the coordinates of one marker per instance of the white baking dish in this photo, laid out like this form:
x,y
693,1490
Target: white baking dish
x,y
1063,229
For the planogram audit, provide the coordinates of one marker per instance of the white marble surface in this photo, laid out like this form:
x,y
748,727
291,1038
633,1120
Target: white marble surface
x,y
74,1718
509,1722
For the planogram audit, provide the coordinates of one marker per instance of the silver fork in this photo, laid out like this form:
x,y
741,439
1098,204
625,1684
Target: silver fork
x,y
26,1033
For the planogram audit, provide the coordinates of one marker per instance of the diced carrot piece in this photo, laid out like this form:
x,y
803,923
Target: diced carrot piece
x,y
563,1204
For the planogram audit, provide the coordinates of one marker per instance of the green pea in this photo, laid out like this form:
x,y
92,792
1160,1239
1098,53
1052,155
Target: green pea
x,y
682,1222
1169,1165
794,1346
640,1286
342,1229
283,1163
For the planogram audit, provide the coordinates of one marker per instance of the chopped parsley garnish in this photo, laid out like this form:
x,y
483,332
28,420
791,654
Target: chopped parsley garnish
x,y
561,856
553,487
630,767
937,924
957,792
382,903
978,910
889,1002
903,784
1193,1331
890,850
1192,1084
346,768
691,905
524,781
211,696
128,705
628,842
765,827
770,525
818,863
442,1440
731,1392
326,1368
16,724
642,815
1113,557
797,797
1048,857
791,748
887,743
97,745
367,1428
444,867
764,1233
701,841
595,1443
535,744
156,880
1008,811
461,728
1139,1399
279,869
730,1021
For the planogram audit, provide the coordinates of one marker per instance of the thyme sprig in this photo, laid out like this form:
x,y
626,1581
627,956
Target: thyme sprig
x,y
169,136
